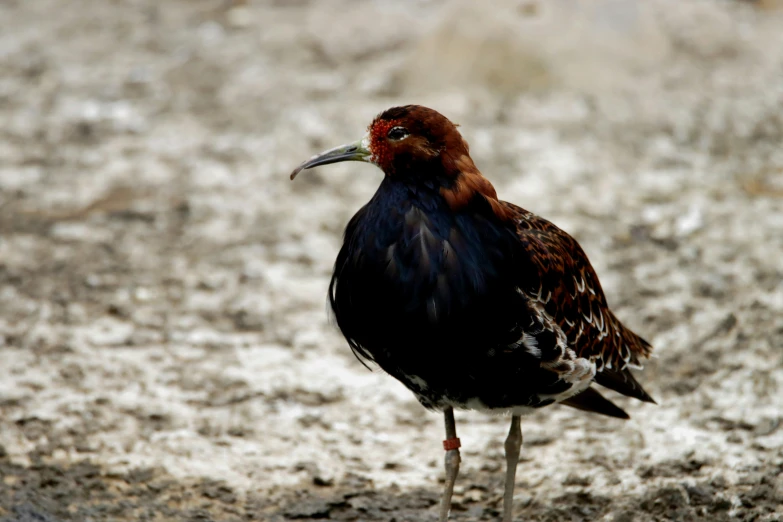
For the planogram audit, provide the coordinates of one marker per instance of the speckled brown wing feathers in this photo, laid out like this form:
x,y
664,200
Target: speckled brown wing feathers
x,y
559,278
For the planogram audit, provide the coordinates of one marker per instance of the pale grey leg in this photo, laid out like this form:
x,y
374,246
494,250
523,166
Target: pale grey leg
x,y
451,444
513,443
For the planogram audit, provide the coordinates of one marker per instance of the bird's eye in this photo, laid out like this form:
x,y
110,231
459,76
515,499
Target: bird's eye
x,y
397,133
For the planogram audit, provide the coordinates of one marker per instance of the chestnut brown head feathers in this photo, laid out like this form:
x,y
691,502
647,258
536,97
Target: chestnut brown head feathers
x,y
403,139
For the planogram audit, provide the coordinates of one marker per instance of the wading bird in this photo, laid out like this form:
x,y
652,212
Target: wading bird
x,y
469,301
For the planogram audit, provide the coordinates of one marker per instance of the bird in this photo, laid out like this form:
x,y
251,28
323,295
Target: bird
x,y
471,302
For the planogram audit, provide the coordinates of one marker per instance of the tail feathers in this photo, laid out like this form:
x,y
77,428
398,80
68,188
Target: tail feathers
x,y
623,381
592,401
638,347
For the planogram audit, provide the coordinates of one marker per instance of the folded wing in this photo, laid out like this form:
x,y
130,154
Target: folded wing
x,y
557,276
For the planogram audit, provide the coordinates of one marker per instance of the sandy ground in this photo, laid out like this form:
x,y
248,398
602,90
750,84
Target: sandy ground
x,y
165,351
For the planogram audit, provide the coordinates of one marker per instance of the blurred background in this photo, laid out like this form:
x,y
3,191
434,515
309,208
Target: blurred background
x,y
165,348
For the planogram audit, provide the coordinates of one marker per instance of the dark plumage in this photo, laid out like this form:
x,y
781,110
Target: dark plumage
x,y
469,301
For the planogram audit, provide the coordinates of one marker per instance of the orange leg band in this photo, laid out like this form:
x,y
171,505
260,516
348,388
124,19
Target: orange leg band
x,y
451,444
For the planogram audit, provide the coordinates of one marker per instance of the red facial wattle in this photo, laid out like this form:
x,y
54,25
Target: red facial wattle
x,y
382,154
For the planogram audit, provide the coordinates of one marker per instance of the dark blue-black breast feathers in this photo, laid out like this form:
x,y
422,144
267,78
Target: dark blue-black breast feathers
x,y
434,298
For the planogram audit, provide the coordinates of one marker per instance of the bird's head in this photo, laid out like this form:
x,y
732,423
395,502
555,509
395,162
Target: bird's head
x,y
399,141
415,144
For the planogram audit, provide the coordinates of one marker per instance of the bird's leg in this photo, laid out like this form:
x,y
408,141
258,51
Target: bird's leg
x,y
451,445
513,443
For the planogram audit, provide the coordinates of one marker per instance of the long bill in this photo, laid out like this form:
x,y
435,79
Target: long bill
x,y
358,151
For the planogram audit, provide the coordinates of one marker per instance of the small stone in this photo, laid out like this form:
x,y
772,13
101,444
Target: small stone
x,y
321,481
734,438
308,508
699,495
766,427
751,479
689,222
523,499
576,480
759,492
720,504
143,294
473,496
664,501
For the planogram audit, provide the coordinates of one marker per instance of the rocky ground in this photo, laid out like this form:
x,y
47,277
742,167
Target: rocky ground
x,y
165,351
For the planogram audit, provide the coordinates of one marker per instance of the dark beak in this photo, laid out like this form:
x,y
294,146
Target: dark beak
x,y
358,151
